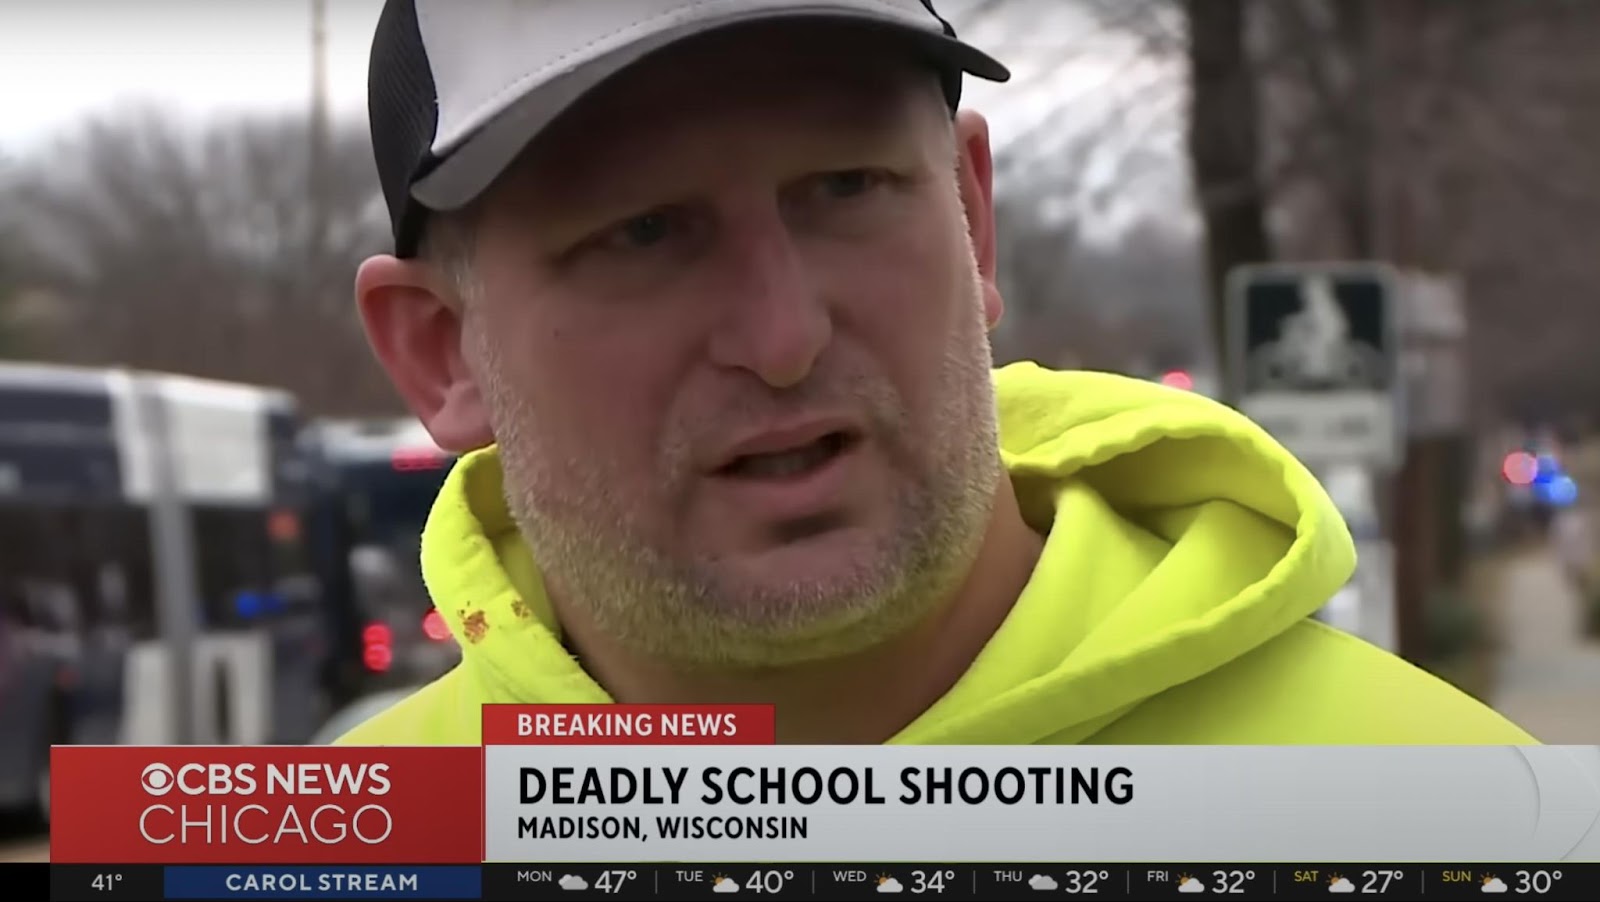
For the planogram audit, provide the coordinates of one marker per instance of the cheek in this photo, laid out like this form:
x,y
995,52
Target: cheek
x,y
593,393
902,301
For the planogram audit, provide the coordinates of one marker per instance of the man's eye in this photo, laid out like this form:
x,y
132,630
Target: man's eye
x,y
640,232
848,183
644,231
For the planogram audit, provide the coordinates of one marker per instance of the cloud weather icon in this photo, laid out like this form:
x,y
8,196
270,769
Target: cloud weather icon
x,y
890,885
1494,885
1044,882
1187,884
572,881
1341,885
725,885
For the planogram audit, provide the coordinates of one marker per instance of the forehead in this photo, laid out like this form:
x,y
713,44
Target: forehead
x,y
841,82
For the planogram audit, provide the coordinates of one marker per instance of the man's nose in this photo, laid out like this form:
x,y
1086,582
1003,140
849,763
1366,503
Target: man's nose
x,y
773,322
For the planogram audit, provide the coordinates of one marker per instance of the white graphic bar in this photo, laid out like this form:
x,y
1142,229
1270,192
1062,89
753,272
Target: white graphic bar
x,y
977,804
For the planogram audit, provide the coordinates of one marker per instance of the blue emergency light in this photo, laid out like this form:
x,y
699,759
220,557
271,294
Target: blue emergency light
x,y
1551,485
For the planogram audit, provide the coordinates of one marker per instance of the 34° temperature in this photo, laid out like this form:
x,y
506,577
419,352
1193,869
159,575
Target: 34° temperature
x,y
930,881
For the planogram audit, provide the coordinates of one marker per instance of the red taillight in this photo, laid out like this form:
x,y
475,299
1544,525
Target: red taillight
x,y
1178,379
283,526
434,627
411,460
1520,468
377,651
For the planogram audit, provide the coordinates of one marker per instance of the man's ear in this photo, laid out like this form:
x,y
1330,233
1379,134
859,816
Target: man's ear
x,y
413,323
976,176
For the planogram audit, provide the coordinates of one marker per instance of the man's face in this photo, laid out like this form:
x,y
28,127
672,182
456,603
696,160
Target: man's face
x,y
730,335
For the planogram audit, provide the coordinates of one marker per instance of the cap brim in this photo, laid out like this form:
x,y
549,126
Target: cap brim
x,y
468,169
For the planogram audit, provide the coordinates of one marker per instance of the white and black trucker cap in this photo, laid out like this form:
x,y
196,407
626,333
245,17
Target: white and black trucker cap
x,y
457,88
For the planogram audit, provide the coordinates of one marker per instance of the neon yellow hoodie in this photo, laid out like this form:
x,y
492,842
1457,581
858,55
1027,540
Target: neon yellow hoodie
x,y
1185,552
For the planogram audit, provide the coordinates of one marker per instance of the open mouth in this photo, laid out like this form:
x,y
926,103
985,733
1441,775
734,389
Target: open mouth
x,y
790,462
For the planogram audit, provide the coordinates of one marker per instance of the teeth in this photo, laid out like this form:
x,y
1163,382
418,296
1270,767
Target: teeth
x,y
786,463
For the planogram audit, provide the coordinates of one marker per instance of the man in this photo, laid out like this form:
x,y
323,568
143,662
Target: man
x,y
702,291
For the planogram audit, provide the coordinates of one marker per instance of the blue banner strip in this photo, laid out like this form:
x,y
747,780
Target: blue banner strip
x,y
321,882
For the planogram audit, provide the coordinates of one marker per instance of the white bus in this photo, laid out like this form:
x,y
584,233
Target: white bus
x,y
91,460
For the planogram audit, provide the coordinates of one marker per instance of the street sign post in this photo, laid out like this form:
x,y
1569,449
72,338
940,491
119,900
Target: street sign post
x,y
1314,359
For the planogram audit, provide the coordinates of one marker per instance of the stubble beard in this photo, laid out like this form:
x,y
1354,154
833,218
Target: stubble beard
x,y
598,564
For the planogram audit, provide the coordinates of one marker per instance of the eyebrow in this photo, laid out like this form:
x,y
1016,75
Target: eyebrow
x,y
572,176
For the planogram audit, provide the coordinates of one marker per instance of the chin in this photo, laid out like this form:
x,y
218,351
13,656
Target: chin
x,y
822,598
819,582
777,560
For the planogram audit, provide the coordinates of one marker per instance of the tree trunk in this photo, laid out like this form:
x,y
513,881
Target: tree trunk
x,y
1225,152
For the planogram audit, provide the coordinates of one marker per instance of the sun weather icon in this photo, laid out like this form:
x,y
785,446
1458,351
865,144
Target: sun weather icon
x,y
1340,884
888,884
1187,884
1493,884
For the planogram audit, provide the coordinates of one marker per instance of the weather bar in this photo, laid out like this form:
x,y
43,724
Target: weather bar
x,y
824,881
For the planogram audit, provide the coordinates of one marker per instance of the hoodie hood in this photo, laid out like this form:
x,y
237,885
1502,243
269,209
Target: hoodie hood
x,y
1179,536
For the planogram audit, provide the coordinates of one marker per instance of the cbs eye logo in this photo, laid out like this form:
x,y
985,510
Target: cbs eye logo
x,y
157,779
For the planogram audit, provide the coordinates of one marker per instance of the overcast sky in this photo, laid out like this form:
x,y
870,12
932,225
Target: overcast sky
x,y
62,60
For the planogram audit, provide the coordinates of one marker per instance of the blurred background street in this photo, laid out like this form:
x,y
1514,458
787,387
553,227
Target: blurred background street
x,y
1546,675
1369,225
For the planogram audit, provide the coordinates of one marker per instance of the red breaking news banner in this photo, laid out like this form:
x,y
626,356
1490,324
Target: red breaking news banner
x,y
629,725
332,804
266,804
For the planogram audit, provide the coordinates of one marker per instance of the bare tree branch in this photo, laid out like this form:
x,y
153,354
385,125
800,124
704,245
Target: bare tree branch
x,y
204,253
